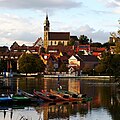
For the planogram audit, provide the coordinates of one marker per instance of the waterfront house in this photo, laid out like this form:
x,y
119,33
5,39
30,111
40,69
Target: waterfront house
x,y
78,62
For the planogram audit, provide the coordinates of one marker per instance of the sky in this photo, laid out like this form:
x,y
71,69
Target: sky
x,y
22,20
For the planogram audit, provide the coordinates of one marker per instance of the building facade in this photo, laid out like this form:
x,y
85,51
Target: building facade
x,y
54,38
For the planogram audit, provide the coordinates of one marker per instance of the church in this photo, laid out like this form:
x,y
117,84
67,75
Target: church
x,y
54,38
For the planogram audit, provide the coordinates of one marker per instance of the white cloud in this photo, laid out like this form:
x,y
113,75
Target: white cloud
x,y
38,4
95,35
111,3
14,28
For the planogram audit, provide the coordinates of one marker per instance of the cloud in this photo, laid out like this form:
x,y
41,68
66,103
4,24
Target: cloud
x,y
113,4
101,12
95,35
39,4
14,28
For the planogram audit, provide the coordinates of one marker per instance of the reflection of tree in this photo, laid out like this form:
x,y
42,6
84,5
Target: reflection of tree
x,y
115,110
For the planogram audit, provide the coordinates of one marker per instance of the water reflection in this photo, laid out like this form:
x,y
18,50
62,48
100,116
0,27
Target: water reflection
x,y
63,110
105,101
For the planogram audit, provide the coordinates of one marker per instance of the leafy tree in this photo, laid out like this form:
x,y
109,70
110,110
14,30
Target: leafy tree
x,y
97,44
117,48
83,39
100,68
71,42
42,50
60,43
115,65
106,62
1,66
87,69
63,68
107,45
29,63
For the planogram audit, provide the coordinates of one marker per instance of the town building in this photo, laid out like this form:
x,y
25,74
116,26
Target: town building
x,y
54,38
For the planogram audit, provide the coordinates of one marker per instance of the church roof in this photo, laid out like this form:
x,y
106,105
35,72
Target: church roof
x,y
58,35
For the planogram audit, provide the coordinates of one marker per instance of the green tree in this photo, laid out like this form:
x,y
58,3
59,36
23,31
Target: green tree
x,y
63,68
1,66
115,65
29,63
117,48
42,50
88,69
71,42
100,68
106,62
83,39
96,44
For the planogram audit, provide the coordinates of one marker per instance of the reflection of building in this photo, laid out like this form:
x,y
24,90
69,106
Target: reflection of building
x,y
74,85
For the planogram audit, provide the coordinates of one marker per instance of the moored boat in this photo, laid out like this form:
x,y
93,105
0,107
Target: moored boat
x,y
46,96
32,97
5,99
66,95
20,99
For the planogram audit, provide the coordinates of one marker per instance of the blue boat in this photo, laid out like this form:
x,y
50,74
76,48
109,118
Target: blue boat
x,y
5,99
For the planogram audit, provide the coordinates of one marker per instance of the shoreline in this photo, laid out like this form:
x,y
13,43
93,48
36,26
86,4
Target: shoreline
x,y
82,77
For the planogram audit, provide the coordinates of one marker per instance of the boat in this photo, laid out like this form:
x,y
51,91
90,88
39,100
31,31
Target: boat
x,y
61,98
32,97
66,95
46,96
5,99
20,99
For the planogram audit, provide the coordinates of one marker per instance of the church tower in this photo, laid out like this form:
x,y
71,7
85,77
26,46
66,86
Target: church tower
x,y
46,30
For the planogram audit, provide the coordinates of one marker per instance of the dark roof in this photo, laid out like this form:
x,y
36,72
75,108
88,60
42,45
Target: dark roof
x,y
4,49
87,58
15,44
58,35
74,37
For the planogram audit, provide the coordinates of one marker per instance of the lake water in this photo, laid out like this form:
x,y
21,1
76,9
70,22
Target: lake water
x,y
104,106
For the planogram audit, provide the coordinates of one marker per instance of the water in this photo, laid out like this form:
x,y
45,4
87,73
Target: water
x,y
104,106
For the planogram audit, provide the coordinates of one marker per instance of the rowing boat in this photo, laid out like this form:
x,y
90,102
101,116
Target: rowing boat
x,y
47,96
66,96
32,97
5,99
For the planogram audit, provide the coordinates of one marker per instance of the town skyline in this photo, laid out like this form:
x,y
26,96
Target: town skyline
x,y
22,21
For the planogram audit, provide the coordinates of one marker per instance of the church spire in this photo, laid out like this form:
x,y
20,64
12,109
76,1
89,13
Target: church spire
x,y
46,24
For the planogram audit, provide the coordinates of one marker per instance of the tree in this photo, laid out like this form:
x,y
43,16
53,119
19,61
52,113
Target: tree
x,y
115,65
83,39
106,62
87,69
63,68
29,63
71,42
42,50
96,44
100,68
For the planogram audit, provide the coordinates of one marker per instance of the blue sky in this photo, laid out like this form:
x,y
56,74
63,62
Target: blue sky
x,y
22,20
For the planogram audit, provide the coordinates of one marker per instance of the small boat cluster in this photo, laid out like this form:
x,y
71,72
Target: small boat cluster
x,y
60,95
42,96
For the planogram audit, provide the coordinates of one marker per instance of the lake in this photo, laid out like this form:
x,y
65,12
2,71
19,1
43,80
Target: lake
x,y
105,104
